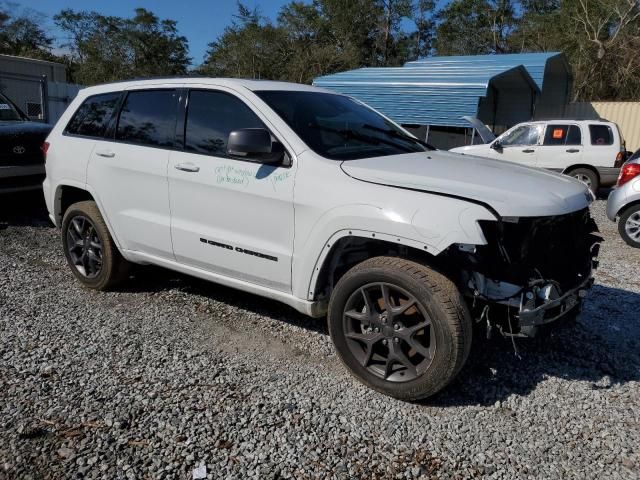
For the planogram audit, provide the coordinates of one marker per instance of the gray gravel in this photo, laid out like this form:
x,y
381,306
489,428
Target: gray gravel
x,y
171,377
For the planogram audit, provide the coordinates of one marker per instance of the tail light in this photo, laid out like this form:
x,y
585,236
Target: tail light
x,y
628,171
45,148
620,158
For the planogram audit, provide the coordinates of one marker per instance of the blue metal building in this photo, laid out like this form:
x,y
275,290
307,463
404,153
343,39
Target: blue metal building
x,y
432,94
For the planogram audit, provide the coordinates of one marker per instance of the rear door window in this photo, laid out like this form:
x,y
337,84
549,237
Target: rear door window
x,y
562,135
91,119
211,117
601,135
148,117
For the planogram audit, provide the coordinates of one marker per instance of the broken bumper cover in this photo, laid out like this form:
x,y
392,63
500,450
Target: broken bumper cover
x,y
555,309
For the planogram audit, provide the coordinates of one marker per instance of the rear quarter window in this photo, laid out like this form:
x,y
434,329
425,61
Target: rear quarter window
x,y
148,117
91,119
601,135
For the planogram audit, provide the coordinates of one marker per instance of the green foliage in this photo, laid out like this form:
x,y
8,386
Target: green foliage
x,y
473,27
106,48
22,35
601,40
321,37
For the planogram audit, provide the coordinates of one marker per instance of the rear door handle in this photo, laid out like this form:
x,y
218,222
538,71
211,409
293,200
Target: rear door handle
x,y
105,153
573,150
528,150
187,167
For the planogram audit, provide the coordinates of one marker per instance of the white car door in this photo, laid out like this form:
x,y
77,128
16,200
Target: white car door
x,y
229,216
128,171
519,144
561,146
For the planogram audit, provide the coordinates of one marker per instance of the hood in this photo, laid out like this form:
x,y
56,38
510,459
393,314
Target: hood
x,y
512,190
486,135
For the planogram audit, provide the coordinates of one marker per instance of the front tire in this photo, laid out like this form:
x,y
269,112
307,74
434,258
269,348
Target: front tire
x,y
400,327
629,226
89,249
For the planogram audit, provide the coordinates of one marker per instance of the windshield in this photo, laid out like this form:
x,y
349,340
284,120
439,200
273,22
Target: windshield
x,y
339,127
8,111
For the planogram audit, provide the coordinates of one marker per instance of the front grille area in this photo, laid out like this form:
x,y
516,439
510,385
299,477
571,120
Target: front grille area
x,y
558,248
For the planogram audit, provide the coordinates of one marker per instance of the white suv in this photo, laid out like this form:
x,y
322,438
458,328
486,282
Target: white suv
x,y
591,151
316,200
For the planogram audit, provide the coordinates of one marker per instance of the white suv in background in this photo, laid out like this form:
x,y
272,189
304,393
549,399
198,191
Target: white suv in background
x,y
591,151
316,200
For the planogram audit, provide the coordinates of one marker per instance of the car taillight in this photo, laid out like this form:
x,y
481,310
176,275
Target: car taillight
x,y
620,158
45,148
628,171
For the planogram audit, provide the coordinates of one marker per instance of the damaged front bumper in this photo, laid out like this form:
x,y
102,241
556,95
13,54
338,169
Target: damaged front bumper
x,y
527,308
531,272
554,309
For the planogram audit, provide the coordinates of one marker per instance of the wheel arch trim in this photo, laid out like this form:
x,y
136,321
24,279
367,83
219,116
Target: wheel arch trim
x,y
95,197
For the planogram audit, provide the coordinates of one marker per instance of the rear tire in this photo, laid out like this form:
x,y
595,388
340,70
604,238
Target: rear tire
x,y
629,226
89,249
586,176
409,342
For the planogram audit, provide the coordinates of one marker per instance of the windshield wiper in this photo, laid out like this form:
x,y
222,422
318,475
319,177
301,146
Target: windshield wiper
x,y
352,134
396,134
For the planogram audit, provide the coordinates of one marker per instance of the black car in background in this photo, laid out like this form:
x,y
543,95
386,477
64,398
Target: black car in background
x,y
21,155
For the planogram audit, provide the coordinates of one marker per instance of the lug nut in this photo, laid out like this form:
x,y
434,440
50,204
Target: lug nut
x,y
396,340
396,326
384,342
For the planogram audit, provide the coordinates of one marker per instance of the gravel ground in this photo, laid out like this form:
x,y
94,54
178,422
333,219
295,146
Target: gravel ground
x,y
171,376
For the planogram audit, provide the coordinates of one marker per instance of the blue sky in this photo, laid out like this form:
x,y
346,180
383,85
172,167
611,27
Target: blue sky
x,y
201,21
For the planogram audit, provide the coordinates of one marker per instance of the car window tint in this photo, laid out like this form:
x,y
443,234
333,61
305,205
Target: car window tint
x,y
601,135
211,117
93,115
562,135
148,118
574,137
523,135
338,127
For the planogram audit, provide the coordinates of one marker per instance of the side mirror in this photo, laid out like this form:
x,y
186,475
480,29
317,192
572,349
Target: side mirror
x,y
497,145
254,145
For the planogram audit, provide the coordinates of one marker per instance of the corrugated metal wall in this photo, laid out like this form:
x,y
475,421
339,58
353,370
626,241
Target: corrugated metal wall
x,y
413,96
535,63
59,96
625,114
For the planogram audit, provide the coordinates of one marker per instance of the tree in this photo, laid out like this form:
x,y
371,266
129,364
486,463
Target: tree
x,y
22,34
250,47
600,39
108,48
423,37
321,37
472,27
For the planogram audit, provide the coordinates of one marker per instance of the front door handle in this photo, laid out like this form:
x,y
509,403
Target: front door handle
x,y
573,150
528,150
105,153
187,167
